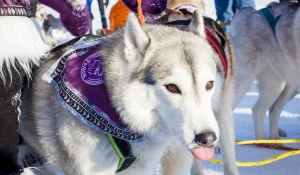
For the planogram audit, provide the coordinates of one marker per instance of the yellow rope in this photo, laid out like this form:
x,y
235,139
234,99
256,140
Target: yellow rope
x,y
248,142
267,161
259,163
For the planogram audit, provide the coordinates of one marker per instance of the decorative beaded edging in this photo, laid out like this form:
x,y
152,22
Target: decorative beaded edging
x,y
13,11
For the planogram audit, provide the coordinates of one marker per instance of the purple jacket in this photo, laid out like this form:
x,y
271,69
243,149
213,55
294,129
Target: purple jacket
x,y
148,6
77,22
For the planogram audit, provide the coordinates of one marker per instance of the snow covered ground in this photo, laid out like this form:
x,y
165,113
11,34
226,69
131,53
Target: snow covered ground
x,y
289,121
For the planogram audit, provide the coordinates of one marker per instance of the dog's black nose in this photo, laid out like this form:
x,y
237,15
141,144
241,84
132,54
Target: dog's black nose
x,y
205,139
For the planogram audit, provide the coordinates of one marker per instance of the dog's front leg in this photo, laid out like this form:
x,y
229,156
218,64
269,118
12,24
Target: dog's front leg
x,y
197,168
177,160
227,140
138,169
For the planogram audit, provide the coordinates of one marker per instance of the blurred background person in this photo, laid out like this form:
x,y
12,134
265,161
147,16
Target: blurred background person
x,y
226,9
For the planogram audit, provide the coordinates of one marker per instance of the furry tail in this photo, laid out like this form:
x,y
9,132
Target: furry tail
x,y
20,42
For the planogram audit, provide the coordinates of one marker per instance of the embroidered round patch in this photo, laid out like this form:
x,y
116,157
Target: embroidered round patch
x,y
92,70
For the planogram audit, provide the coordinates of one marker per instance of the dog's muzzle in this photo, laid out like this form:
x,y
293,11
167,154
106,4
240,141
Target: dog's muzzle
x,y
205,142
206,139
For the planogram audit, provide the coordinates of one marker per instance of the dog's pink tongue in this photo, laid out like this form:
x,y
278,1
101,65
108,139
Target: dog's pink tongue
x,y
203,153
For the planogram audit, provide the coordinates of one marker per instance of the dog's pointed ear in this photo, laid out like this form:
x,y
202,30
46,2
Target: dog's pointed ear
x,y
197,24
135,39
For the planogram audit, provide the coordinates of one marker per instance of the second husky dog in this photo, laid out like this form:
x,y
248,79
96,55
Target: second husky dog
x,y
165,84
268,53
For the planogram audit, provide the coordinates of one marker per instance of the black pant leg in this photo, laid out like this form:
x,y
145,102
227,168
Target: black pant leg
x,y
10,92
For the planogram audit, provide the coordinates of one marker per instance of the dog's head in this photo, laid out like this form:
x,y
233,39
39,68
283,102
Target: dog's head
x,y
164,81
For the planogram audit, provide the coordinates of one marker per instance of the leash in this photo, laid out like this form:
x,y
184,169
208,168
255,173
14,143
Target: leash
x,y
277,147
266,143
102,14
271,144
140,12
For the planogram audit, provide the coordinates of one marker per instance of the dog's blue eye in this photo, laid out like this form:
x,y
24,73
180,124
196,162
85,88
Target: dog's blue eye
x,y
173,88
209,85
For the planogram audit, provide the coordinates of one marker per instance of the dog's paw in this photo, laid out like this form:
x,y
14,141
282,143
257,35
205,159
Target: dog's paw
x,y
282,133
231,173
77,5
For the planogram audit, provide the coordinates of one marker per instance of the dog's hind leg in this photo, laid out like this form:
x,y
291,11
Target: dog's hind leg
x,y
274,113
243,81
269,87
246,70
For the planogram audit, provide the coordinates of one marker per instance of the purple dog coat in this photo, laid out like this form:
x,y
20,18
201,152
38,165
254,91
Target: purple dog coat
x,y
79,80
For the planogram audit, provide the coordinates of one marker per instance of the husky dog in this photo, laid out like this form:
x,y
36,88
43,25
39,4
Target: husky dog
x,y
166,84
269,56
177,160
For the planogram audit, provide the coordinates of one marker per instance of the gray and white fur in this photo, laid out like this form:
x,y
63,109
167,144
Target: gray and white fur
x,y
178,160
139,61
271,59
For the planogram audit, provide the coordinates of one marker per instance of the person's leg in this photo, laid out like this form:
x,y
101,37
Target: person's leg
x,y
245,3
234,6
9,120
224,10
